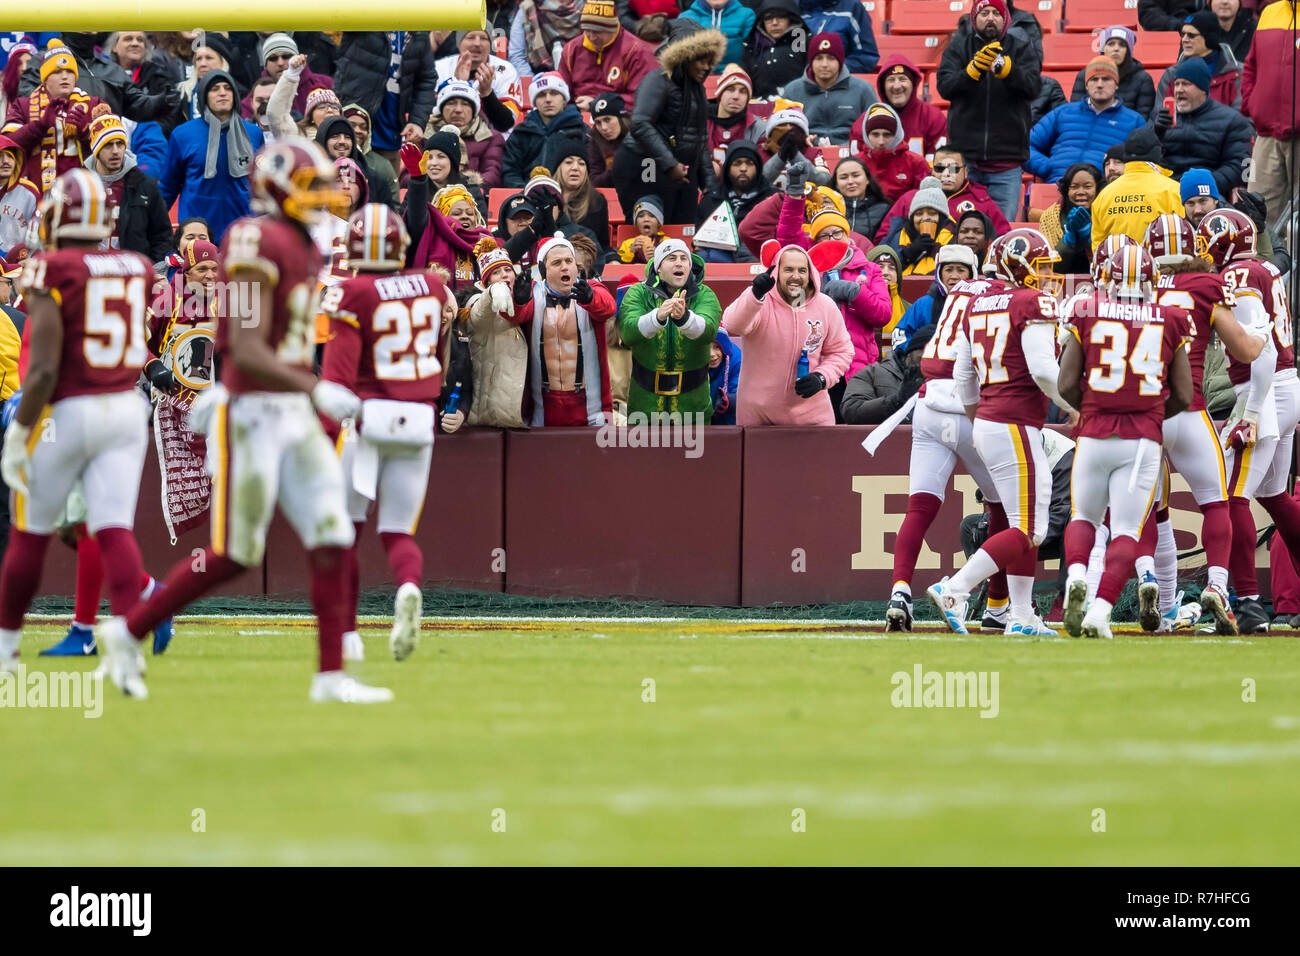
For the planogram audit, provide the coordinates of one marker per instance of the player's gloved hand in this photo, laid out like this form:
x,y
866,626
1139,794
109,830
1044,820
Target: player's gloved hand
x,y
334,401
523,290
15,461
1241,434
583,292
501,298
204,409
809,385
413,159
762,284
843,291
10,408
452,422
1164,120
161,377
1078,226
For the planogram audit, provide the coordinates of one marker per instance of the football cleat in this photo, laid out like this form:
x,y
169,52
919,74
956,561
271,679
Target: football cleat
x,y
407,608
1170,617
78,642
346,689
1250,615
1291,621
1188,615
163,633
1076,595
123,661
898,616
1149,603
951,606
1214,601
996,619
1033,627
1094,627
353,648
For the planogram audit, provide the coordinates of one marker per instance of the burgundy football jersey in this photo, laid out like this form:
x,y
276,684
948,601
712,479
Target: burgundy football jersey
x,y
941,351
994,323
259,250
1196,293
386,333
1127,348
103,298
1263,278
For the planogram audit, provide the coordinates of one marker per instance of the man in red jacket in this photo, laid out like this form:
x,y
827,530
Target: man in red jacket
x,y
925,128
1272,106
894,167
963,195
604,58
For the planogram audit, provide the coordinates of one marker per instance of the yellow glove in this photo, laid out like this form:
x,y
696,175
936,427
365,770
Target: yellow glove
x,y
1001,67
973,69
983,60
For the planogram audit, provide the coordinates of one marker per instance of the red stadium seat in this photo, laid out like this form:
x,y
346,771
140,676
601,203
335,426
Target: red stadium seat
x,y
1065,77
924,51
926,17
1081,17
611,201
1041,195
495,198
1048,13
880,13
1157,49
931,83
1067,51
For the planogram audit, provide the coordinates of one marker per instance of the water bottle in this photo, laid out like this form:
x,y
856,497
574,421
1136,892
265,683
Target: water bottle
x,y
831,275
803,363
453,401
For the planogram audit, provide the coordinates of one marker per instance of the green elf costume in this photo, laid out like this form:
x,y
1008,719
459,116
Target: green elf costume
x,y
670,352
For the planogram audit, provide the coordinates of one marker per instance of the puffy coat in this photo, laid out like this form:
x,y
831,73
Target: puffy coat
x,y
526,146
1077,133
869,394
1225,82
499,358
989,119
1136,91
618,68
773,333
363,71
1212,136
865,214
924,126
771,63
850,19
100,77
1272,105
831,112
735,20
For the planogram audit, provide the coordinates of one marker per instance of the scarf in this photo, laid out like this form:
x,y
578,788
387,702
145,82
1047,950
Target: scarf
x,y
59,138
545,22
239,151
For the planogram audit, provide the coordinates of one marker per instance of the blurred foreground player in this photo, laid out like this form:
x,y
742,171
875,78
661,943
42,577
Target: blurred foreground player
x,y
266,445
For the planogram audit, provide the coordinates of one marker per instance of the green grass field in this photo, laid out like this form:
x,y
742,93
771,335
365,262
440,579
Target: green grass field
x,y
543,727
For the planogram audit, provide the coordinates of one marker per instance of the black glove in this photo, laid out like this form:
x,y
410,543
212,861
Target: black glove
x,y
809,385
796,175
160,376
793,143
1164,120
918,249
1252,204
843,291
583,292
910,385
523,291
762,284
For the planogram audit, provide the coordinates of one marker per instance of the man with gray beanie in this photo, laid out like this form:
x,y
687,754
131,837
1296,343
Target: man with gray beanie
x,y
276,52
1207,133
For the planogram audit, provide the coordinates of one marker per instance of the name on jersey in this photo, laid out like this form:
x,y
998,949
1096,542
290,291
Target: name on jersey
x,y
114,265
401,286
1128,311
992,303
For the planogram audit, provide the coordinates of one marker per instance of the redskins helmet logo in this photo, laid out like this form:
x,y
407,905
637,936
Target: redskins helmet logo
x,y
1018,247
613,76
824,45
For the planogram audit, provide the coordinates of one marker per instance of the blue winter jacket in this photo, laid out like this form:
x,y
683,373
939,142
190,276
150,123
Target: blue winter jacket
x,y
850,19
920,313
1076,133
735,20
723,380
220,200
150,148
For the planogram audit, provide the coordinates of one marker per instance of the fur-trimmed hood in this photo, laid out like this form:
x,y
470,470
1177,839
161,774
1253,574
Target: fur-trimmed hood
x,y
692,46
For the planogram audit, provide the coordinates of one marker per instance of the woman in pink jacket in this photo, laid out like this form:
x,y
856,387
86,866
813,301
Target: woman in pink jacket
x,y
856,285
795,345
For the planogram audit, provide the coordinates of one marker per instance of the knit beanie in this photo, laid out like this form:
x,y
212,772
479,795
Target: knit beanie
x,y
278,43
104,130
928,198
1101,66
608,104
978,5
459,89
827,219
549,83
57,57
651,204
880,117
448,143
734,75
667,248
599,15
1195,70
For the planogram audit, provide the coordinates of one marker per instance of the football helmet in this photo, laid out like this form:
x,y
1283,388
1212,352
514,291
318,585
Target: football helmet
x,y
1170,239
1107,248
293,179
1024,257
1130,274
76,207
1226,234
376,239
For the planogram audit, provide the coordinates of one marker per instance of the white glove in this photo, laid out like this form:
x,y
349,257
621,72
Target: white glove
x,y
503,303
15,462
452,422
334,401
204,409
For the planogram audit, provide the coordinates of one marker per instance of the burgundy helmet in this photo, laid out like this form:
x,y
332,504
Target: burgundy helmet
x,y
1130,273
293,179
76,207
1024,257
1105,249
376,239
1170,239
1227,235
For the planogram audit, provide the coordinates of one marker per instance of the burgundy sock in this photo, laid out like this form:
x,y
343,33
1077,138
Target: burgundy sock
x,y
122,567
1146,544
998,523
1241,564
1285,512
329,594
1216,534
1120,554
405,558
20,576
1080,536
90,581
921,509
353,558
185,584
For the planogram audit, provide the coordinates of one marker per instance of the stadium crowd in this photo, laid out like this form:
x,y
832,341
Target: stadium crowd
x,y
690,142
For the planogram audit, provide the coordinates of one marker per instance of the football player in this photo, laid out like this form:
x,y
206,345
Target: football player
x,y
386,334
81,418
1122,353
1006,373
1260,434
266,446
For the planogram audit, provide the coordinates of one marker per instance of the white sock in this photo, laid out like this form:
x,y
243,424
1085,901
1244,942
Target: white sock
x,y
148,589
1217,576
1099,610
1143,565
901,586
1097,561
1166,564
9,642
1076,571
979,567
1020,588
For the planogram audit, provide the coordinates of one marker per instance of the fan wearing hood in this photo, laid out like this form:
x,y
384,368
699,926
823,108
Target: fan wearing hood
x,y
668,322
338,138
209,159
925,128
928,228
956,264
141,223
376,166
18,196
894,167
724,378
774,53
891,270
783,318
